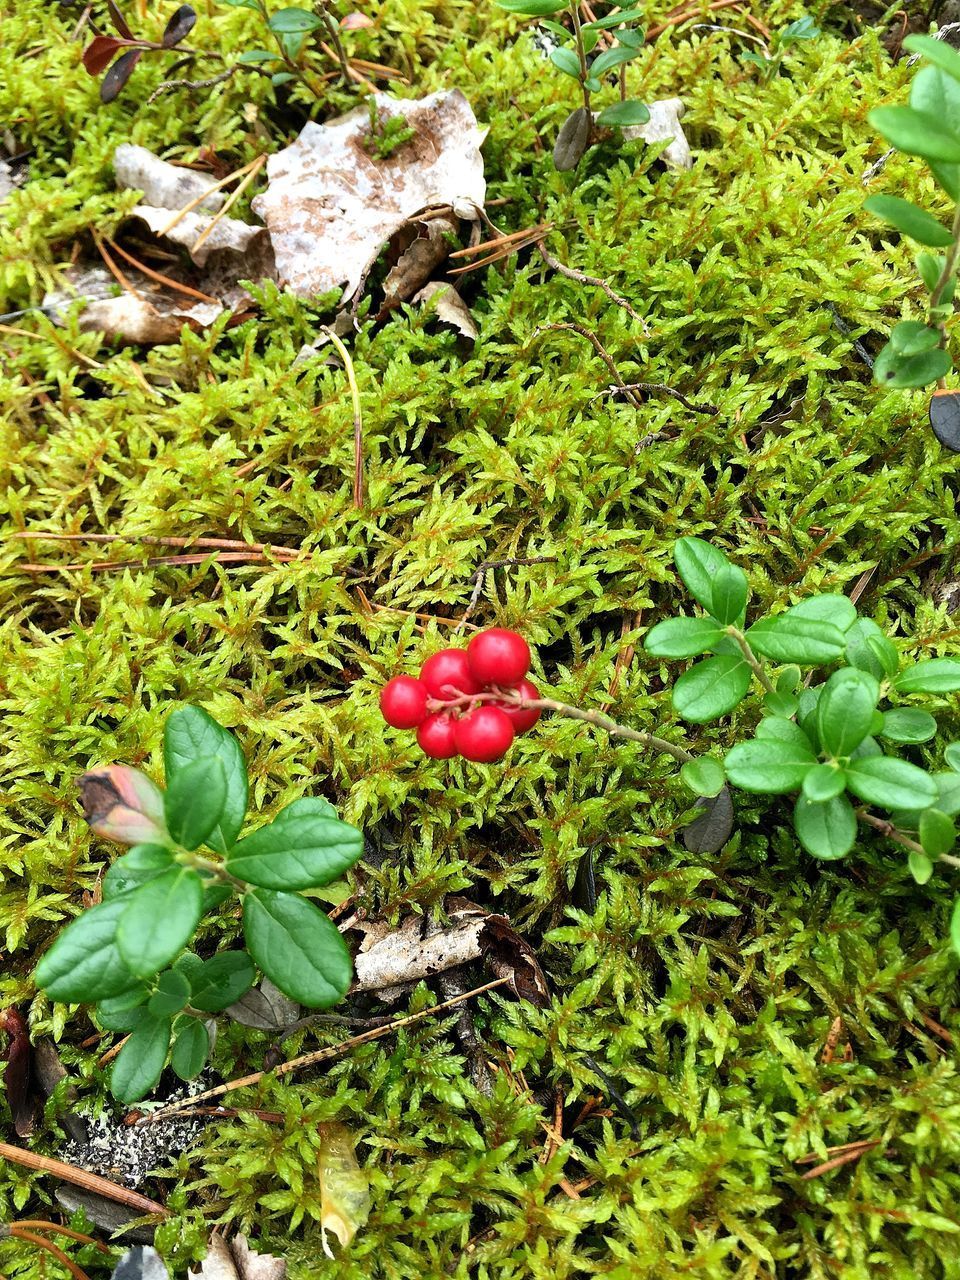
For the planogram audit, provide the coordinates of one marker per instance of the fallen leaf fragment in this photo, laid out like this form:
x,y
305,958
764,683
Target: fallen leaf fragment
x,y
234,1260
331,205
449,307
165,185
16,1076
507,955
664,123
265,1007
344,1187
229,235
430,247
153,315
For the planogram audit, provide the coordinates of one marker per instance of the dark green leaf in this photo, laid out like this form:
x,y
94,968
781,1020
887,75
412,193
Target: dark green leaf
x,y
303,848
698,563
611,58
868,649
613,20
894,370
572,140
893,784
911,221
253,56
190,1049
711,688
938,675
140,1061
911,337
621,115
788,681
221,981
704,776
937,833
823,782
172,993
767,766
845,710
791,637
123,1012
729,594
194,801
837,609
905,724
293,21
951,755
930,267
778,729
158,920
144,862
191,734
827,829
916,133
948,792
682,637
566,60
297,947
781,704
84,963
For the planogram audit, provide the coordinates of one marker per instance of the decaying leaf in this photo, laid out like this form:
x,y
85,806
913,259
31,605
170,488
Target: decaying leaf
x,y
507,955
711,829
572,140
448,306
16,1076
344,1187
664,123
429,247
229,235
141,1263
266,1008
164,185
331,205
48,1072
234,1260
154,314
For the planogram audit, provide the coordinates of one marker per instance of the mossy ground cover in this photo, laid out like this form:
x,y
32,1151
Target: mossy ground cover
x,y
704,987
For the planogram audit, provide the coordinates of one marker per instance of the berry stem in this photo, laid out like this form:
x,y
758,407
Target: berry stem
x,y
596,718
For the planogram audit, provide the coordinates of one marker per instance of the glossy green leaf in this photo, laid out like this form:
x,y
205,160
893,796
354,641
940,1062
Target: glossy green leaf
x,y
141,1060
297,947
893,784
158,920
221,981
254,56
711,688
907,724
837,609
172,993
778,729
566,60
937,832
868,649
144,862
951,755
622,115
682,637
611,58
921,868
190,1049
293,21
194,801
704,776
891,369
698,563
781,704
123,1012
84,964
792,637
916,133
302,848
729,594
909,220
823,782
845,710
191,734
612,20
937,675
768,767
827,829
911,337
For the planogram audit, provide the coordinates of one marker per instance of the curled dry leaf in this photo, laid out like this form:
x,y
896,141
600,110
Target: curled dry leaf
x,y
448,307
248,244
234,1260
266,1008
16,1076
164,185
330,205
507,955
154,314
429,247
664,123
344,1187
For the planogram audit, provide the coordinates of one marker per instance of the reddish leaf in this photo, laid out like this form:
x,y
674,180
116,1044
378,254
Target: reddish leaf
x,y
16,1078
99,53
179,26
355,22
119,74
119,21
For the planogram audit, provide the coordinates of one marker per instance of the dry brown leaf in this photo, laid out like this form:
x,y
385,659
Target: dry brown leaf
x,y
664,123
157,315
265,1007
449,307
416,264
404,955
165,185
344,1187
234,1260
249,244
330,205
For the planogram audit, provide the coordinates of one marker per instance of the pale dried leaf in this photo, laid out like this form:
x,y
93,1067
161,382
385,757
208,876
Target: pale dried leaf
x,y
228,235
418,261
330,206
164,185
156,316
234,1260
344,1187
449,307
664,123
405,955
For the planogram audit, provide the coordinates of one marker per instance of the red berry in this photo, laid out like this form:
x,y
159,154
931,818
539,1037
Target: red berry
x,y
446,673
499,657
403,701
524,718
436,736
484,735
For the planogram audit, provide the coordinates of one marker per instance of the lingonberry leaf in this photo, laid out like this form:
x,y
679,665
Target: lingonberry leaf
x,y
190,1048
614,57
84,964
698,563
938,675
891,783
613,20
921,868
140,1061
917,133
780,729
221,981
868,649
891,369
119,21
711,829
907,724
839,610
122,1012
623,115
845,710
729,594
144,862
768,767
939,52
100,52
704,776
119,74
194,801
794,637
566,60
823,782
305,846
172,993
179,26
937,832
190,734
293,21
158,919
909,220
911,337
682,637
711,688
951,755
827,829
297,947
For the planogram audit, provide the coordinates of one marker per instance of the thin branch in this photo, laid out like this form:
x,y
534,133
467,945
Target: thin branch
x,y
582,278
648,387
597,345
167,85
81,1178
751,658
43,1243
230,201
218,544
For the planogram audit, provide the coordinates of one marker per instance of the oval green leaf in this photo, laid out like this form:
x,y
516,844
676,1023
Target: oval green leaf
x,y
768,767
297,947
711,688
907,724
302,848
938,675
891,783
909,220
84,964
190,1049
845,710
682,637
158,920
827,829
191,734
140,1061
221,981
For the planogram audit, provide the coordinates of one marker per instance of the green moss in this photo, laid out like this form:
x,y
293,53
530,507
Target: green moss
x,y
704,988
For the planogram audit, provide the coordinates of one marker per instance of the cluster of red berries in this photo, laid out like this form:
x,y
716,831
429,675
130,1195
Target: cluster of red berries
x,y
460,705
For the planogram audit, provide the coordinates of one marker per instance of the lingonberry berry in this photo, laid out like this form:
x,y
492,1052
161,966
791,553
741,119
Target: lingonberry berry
x,y
403,701
498,656
484,735
448,672
437,736
524,718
